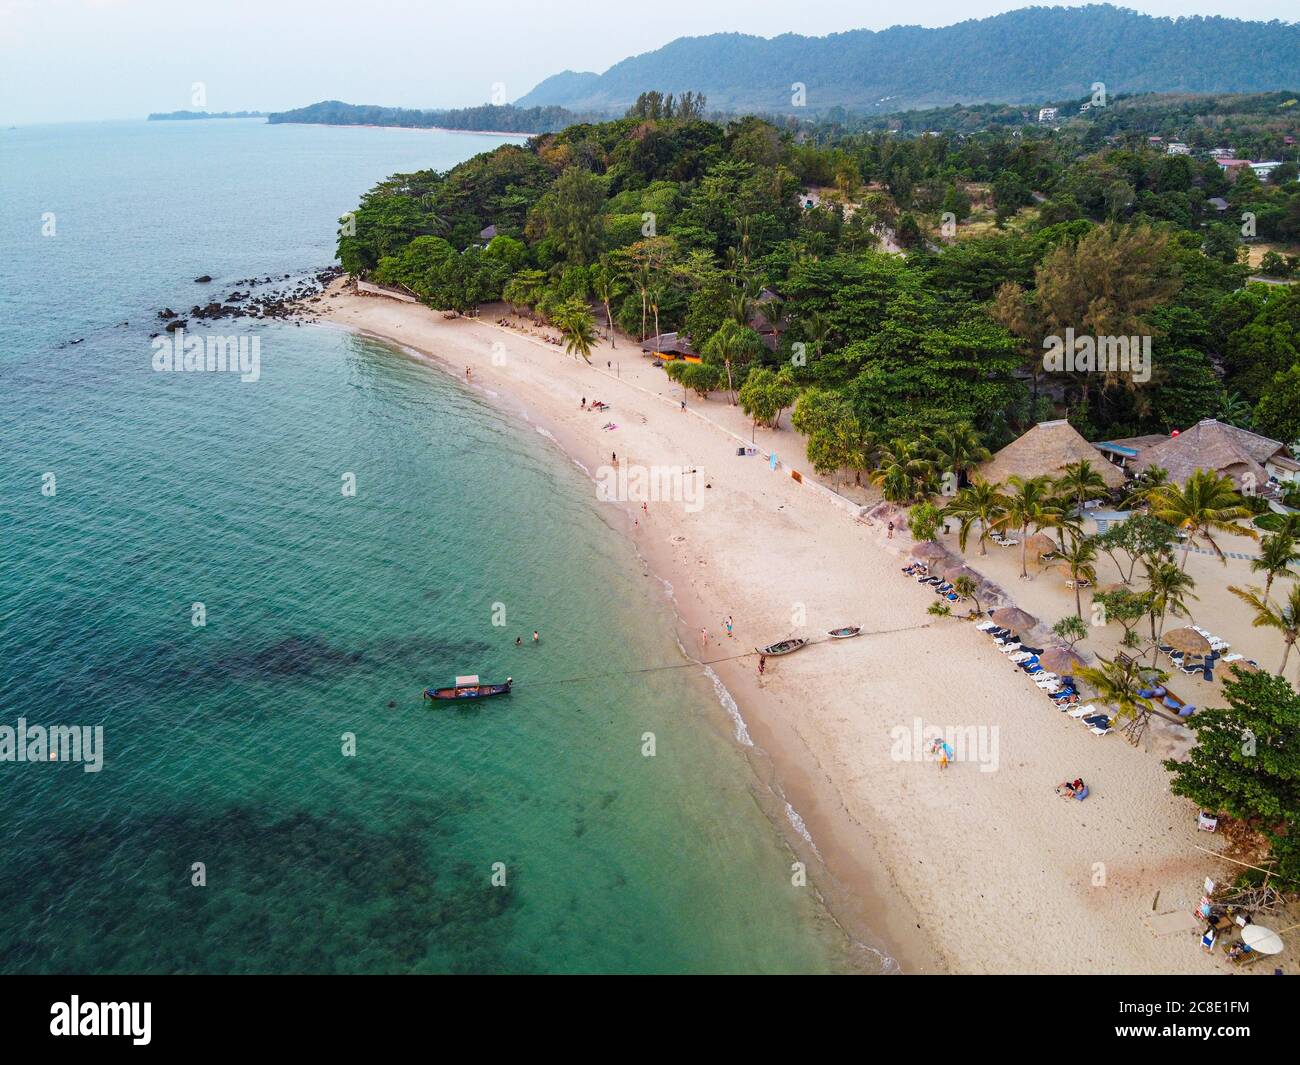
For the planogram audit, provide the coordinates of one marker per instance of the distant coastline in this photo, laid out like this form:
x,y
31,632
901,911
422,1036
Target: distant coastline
x,y
194,116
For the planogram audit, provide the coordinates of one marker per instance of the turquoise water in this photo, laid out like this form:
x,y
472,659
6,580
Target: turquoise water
x,y
224,743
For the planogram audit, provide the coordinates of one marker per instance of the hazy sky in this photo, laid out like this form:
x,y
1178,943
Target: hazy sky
x,y
90,59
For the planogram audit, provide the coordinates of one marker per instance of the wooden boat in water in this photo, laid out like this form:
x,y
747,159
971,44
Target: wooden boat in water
x,y
785,647
469,688
846,633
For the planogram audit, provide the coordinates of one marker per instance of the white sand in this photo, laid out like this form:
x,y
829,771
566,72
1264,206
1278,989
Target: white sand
x,y
960,869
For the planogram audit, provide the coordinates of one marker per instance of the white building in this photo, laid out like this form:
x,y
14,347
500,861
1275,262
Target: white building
x,y
1177,148
1047,114
1262,170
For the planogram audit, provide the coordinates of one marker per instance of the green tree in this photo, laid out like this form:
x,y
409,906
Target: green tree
x,y
1030,504
733,345
924,520
1246,761
575,322
1071,629
1285,617
1118,683
1078,558
1168,589
1205,504
1277,414
1080,482
1140,537
980,503
570,216
1277,554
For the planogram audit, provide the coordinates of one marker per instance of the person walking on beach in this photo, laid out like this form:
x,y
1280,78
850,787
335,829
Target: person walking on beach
x,y
704,638
613,458
584,403
536,637
645,509
762,664
467,373
891,531
729,626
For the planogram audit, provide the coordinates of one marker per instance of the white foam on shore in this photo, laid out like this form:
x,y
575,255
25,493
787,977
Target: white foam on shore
x,y
733,711
797,823
546,433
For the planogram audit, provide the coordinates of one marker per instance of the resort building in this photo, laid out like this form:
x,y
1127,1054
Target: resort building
x,y
669,346
1246,457
1046,450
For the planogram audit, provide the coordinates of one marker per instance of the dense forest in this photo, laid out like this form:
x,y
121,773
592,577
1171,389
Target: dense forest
x,y
678,223
1035,54
502,118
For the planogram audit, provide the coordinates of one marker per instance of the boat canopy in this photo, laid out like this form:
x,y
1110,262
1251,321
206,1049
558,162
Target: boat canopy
x,y
467,682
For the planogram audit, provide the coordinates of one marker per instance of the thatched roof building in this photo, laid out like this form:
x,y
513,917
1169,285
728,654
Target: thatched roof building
x,y
1046,450
670,346
1214,445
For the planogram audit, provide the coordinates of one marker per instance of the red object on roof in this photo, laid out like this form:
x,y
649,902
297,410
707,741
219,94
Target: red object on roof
x,y
1174,433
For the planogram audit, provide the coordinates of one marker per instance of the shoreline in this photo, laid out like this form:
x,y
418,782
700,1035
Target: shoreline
x,y
919,863
432,129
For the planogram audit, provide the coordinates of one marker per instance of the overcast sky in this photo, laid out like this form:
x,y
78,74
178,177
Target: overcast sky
x,y
63,60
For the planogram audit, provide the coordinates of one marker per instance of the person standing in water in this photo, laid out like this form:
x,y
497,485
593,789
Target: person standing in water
x,y
519,641
536,638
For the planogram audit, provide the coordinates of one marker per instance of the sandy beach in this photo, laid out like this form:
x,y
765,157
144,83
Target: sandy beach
x,y
977,868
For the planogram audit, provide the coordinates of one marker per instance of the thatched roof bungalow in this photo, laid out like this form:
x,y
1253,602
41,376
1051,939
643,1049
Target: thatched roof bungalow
x,y
1045,451
669,346
1213,445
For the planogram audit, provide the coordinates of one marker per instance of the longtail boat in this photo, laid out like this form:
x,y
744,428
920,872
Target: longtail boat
x,y
785,647
469,688
846,633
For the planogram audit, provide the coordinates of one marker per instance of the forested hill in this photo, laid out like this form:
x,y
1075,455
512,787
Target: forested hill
x,y
1023,56
497,118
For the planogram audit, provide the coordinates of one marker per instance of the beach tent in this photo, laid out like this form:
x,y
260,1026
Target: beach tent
x,y
1040,544
1060,660
930,549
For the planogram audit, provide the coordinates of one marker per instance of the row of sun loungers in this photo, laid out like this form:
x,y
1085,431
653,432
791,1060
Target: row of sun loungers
x,y
1061,690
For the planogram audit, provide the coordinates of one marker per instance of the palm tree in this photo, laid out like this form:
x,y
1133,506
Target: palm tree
x,y
1079,558
1169,588
969,588
1235,411
958,449
1284,618
980,502
904,474
1080,482
608,287
1276,553
1029,505
575,322
1206,503
732,343
1118,683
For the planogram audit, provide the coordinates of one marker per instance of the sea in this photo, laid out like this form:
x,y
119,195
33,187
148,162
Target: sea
x,y
241,583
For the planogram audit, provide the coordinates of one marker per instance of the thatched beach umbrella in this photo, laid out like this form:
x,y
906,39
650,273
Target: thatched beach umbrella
x,y
1060,660
1012,617
930,549
1187,640
955,570
1244,666
1040,544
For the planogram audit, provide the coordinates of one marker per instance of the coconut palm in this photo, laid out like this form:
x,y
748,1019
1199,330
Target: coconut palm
x,y
980,502
1080,482
969,588
904,473
732,344
608,287
1078,558
1207,503
1118,683
957,450
1168,589
574,320
1277,552
1029,505
1284,618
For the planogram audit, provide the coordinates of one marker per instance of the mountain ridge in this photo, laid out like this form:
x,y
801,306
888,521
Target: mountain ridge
x,y
1034,53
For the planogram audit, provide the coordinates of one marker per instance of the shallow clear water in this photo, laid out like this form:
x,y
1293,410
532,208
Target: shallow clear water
x,y
224,742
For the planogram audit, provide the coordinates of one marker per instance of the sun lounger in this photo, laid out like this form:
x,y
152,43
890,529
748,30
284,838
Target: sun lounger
x,y
1083,711
1234,657
984,626
1034,650
1101,730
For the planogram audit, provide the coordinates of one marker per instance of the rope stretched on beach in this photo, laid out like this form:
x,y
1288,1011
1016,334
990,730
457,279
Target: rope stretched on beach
x,y
696,663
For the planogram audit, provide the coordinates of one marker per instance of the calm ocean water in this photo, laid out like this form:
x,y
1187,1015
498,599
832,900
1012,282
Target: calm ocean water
x,y
223,743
